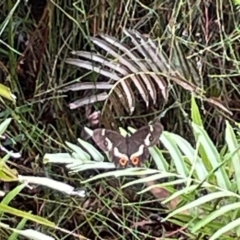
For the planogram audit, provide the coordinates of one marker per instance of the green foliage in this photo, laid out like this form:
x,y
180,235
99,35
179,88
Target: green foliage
x,y
197,43
9,175
216,212
237,2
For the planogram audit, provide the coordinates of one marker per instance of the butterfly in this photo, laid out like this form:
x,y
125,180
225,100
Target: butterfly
x,y
129,151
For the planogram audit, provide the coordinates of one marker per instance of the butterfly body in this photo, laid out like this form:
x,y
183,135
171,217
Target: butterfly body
x,y
130,151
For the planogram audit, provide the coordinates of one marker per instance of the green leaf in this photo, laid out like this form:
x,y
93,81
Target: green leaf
x,y
154,177
233,148
4,125
190,153
179,193
20,225
97,156
164,185
81,154
78,167
200,201
159,159
59,158
123,172
213,156
237,2
12,194
168,141
225,229
218,213
196,116
7,174
29,216
5,92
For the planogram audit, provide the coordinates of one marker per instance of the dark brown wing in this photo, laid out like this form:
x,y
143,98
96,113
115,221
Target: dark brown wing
x,y
139,142
148,135
113,143
101,135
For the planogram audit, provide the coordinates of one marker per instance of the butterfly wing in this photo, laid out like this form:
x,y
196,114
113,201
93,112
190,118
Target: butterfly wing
x,y
148,135
131,150
113,143
139,142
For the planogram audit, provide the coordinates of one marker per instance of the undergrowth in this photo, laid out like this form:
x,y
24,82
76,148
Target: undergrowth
x,y
49,95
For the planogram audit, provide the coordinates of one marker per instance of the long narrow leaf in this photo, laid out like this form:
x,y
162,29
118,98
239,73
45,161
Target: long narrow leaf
x,y
189,152
4,125
202,200
177,158
97,156
195,113
159,159
79,151
154,177
213,156
233,148
225,229
218,213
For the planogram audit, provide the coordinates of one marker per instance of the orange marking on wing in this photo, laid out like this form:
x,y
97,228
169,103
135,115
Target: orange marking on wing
x,y
135,161
123,162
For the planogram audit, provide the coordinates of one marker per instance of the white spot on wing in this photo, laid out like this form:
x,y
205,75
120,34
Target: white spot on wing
x,y
109,144
118,154
138,153
146,140
151,128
